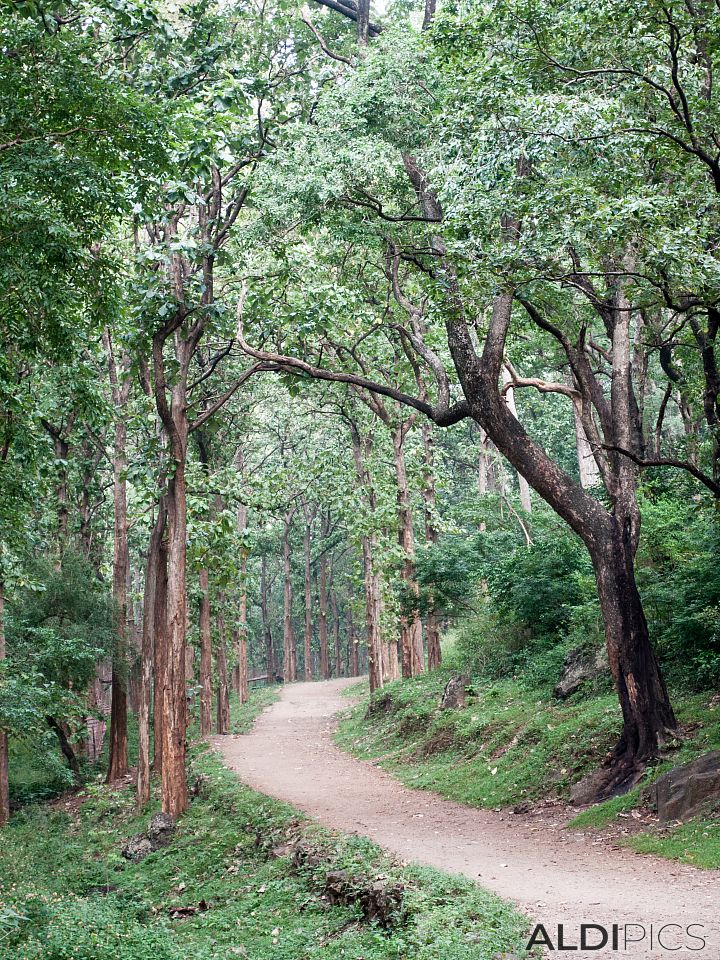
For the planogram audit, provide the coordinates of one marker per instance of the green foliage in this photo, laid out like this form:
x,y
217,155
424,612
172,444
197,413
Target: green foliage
x,y
66,893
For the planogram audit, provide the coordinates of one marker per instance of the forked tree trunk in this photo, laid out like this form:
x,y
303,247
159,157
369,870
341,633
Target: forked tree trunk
x,y
146,662
160,652
206,692
289,649
432,621
411,638
4,778
223,688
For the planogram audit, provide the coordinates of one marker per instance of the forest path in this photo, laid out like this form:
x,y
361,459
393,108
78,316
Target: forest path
x,y
553,875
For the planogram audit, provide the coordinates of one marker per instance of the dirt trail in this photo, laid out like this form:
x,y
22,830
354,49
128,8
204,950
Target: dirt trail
x,y
555,876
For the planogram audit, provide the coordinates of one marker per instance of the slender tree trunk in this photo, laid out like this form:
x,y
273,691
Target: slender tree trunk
x,y
206,692
374,645
336,632
265,614
4,778
308,597
524,486
240,633
289,649
354,646
149,600
411,639
65,746
160,651
323,618
118,759
223,691
432,623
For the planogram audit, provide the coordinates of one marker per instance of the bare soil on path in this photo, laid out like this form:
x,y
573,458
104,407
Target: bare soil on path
x,y
554,875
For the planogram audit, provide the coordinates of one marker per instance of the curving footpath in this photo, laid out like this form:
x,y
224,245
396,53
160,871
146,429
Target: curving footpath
x,y
554,876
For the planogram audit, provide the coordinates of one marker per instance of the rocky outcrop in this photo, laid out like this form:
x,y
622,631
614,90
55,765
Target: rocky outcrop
x,y
681,793
580,665
380,900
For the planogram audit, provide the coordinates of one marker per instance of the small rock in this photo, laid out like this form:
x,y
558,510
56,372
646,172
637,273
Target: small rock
x,y
455,694
136,848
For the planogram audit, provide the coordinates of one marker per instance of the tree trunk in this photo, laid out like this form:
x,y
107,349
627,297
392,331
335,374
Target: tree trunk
x,y
353,644
206,692
289,650
308,597
148,631
240,633
648,718
323,618
160,651
432,622
265,614
223,689
524,486
336,632
4,779
174,785
411,639
65,746
118,758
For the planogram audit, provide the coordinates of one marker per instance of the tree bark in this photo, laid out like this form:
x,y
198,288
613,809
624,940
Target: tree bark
x,y
65,746
289,648
150,594
432,622
525,500
265,615
206,692
4,777
160,650
307,639
223,688
323,604
241,632
336,632
353,644
411,639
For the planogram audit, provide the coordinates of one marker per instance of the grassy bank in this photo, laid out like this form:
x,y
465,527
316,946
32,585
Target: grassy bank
x,y
513,745
227,886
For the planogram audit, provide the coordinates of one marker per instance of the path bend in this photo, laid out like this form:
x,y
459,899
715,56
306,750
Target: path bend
x,y
554,876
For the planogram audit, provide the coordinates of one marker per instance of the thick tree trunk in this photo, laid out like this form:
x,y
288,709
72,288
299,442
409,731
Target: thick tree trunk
x,y
648,718
432,621
118,758
411,639
323,618
265,614
4,778
160,652
223,688
174,785
206,692
307,638
289,649
146,664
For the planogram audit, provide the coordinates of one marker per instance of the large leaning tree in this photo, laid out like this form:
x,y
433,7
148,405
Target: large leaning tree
x,y
501,182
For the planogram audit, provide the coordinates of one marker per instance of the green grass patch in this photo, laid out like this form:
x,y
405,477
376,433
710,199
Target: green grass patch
x,y
696,842
242,715
66,893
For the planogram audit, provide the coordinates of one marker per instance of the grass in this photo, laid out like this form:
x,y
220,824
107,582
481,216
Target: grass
x,y
515,744
66,893
242,715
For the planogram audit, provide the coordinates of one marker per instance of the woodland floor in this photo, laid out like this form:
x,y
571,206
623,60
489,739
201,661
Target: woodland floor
x,y
552,874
